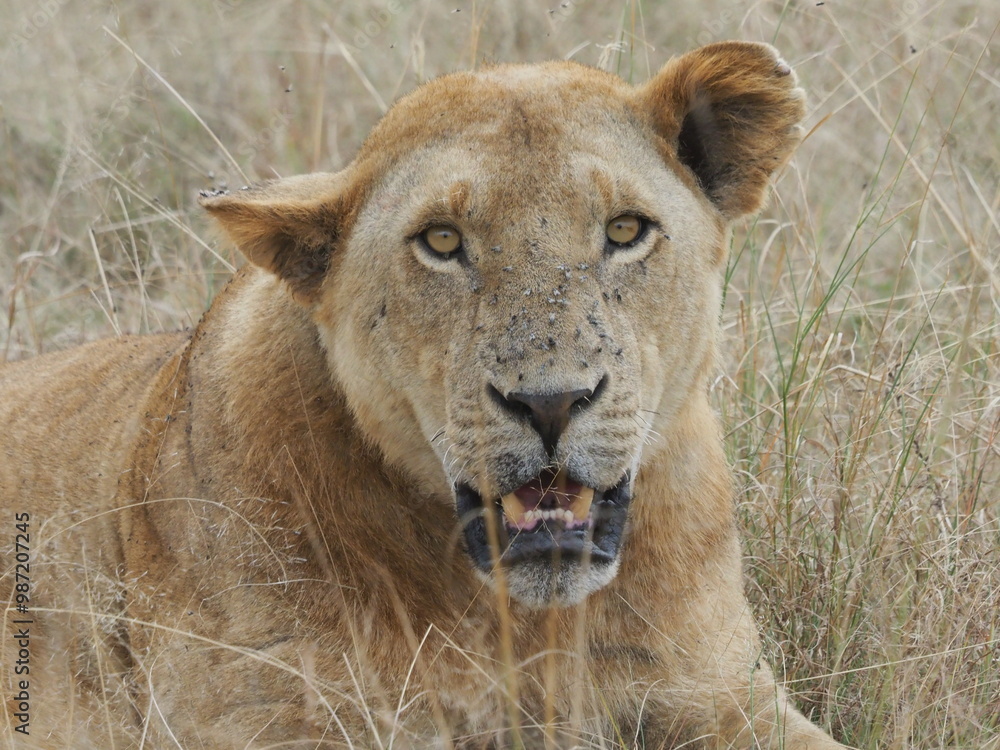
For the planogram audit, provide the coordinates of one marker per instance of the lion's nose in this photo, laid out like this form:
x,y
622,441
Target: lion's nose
x,y
549,413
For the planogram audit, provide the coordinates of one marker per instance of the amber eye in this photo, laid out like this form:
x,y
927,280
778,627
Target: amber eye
x,y
443,240
624,229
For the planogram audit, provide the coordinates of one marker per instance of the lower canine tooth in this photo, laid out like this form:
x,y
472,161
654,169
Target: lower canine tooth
x,y
581,504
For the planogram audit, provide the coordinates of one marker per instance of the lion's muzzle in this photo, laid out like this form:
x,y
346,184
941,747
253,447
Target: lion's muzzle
x,y
554,538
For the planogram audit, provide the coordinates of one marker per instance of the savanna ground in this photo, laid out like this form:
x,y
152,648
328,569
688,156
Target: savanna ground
x,y
859,382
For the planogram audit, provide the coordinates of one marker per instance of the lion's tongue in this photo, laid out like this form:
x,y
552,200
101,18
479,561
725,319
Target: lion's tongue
x,y
549,496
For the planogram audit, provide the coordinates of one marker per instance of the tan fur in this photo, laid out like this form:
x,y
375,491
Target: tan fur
x,y
248,536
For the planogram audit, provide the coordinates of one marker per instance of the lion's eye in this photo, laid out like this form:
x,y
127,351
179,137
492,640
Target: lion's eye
x,y
625,230
443,240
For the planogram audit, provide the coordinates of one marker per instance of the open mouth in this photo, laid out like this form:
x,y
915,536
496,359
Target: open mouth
x,y
551,517
549,498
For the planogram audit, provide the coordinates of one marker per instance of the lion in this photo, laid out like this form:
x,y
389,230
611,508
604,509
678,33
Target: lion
x,y
437,468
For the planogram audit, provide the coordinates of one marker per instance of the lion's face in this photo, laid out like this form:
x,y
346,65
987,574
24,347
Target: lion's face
x,y
525,368
525,295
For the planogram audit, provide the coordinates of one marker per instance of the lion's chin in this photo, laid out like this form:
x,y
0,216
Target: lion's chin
x,y
554,546
538,584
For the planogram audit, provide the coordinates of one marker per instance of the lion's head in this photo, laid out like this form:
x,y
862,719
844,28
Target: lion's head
x,y
517,284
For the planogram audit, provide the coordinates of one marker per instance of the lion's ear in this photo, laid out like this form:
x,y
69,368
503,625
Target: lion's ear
x,y
730,111
289,227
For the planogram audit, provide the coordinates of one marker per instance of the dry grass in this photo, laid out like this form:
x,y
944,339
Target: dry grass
x,y
860,383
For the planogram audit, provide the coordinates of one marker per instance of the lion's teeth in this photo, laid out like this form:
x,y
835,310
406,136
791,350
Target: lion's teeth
x,y
518,515
514,509
580,506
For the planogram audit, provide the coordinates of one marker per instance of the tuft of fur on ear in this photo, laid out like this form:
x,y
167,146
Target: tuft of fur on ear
x,y
730,113
289,227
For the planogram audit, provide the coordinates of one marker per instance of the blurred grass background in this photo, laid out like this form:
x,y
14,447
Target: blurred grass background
x,y
860,379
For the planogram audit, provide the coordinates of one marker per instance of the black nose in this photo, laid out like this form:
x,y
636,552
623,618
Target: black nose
x,y
549,413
